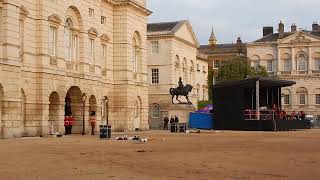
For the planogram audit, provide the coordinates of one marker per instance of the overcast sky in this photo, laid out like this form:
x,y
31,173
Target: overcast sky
x,y
233,18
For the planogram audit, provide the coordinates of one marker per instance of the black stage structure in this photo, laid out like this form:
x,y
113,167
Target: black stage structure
x,y
231,99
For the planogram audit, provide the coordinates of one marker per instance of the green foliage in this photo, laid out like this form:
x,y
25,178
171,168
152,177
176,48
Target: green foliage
x,y
202,104
240,68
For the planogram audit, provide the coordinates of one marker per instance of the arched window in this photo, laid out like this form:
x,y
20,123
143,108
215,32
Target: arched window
x,y
286,62
270,63
134,54
317,96
302,62
255,61
68,38
155,112
302,94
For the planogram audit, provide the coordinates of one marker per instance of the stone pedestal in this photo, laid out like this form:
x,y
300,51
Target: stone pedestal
x,y
180,110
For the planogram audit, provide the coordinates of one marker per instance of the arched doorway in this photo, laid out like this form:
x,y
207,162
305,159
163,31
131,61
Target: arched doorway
x,y
73,105
1,112
137,114
54,112
23,110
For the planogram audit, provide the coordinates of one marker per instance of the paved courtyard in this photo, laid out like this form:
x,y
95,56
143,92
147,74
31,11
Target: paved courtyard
x,y
208,155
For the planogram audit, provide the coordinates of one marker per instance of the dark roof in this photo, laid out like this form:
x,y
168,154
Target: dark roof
x,y
250,83
221,49
273,37
163,26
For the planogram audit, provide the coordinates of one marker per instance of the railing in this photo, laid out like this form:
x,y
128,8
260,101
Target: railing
x,y
262,114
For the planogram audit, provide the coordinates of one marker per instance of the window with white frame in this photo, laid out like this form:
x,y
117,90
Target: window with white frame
x,y
155,111
92,50
270,65
317,64
75,47
317,99
155,47
287,65
302,63
53,41
155,76
302,99
286,99
216,64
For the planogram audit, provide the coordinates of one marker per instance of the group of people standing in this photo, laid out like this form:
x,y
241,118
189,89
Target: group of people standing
x,y
173,119
69,121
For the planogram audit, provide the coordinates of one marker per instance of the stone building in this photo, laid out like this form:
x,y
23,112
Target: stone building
x,y
293,55
58,55
217,53
172,54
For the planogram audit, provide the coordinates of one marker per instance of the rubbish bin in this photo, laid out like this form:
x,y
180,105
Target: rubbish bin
x,y
173,127
105,131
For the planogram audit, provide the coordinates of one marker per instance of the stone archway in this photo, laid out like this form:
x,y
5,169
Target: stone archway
x,y
54,112
92,104
1,112
73,105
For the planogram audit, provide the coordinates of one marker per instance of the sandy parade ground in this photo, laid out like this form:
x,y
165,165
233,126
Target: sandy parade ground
x,y
208,155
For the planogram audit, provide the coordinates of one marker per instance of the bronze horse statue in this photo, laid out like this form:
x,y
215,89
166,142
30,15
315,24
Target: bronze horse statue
x,y
184,91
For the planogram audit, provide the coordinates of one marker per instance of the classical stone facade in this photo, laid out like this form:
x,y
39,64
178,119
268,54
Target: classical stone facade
x,y
293,56
172,54
55,52
217,53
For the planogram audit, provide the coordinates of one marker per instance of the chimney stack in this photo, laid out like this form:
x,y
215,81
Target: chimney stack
x,y
239,45
267,30
281,30
293,27
315,26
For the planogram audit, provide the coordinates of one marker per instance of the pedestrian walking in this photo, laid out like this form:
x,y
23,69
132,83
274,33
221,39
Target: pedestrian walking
x,y
71,123
166,121
92,122
66,125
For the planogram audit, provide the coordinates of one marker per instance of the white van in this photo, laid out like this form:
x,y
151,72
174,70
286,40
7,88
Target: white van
x,y
310,118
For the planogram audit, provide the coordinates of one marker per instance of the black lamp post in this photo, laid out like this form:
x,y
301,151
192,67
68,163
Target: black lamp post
x,y
106,103
84,97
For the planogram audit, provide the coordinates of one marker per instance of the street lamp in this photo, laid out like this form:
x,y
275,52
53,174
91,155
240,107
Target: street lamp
x,y
84,97
106,103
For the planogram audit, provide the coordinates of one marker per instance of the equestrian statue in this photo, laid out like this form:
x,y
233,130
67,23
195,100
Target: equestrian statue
x,y
181,90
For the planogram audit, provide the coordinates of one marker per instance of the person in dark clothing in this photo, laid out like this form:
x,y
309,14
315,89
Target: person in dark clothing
x,y
176,119
171,120
166,121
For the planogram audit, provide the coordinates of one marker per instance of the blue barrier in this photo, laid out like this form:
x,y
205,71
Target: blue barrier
x,y
201,121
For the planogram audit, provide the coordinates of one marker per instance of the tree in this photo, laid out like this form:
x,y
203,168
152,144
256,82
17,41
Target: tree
x,y
240,68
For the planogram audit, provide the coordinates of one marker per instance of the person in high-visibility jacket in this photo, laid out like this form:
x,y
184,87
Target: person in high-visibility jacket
x,y
66,124
93,122
71,123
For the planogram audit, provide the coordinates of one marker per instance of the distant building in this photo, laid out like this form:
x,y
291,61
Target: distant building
x,y
218,53
172,54
293,55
